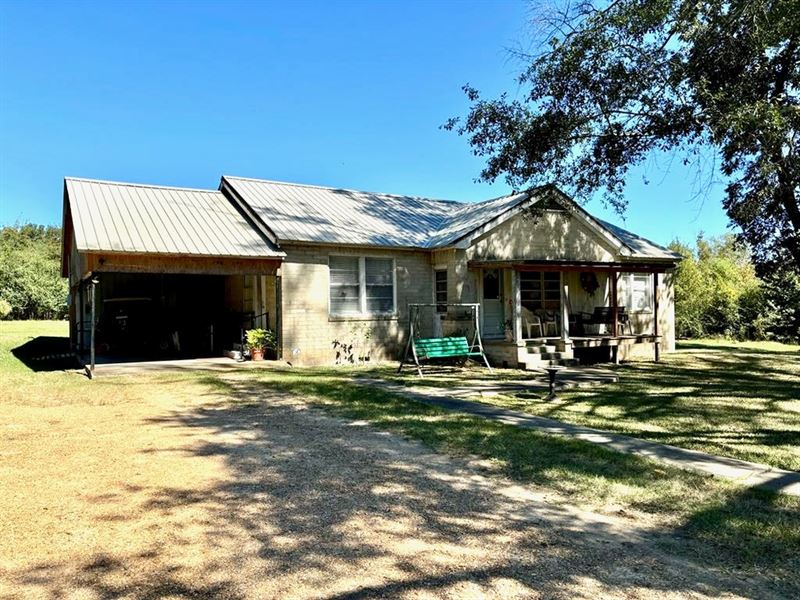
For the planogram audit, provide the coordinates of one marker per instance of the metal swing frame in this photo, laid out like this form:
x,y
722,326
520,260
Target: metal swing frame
x,y
475,348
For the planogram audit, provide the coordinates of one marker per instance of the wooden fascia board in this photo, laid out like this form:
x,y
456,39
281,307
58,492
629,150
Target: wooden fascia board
x,y
66,223
567,266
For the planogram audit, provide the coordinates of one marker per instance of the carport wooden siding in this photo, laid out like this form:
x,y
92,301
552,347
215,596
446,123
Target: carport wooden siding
x,y
199,265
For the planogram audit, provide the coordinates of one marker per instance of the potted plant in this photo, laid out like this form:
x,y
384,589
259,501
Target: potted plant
x,y
509,330
258,341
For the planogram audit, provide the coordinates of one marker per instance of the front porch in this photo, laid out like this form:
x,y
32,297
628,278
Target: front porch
x,y
562,312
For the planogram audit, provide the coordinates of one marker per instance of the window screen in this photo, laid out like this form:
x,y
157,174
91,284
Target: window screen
x,y
379,285
640,294
540,290
441,290
361,285
344,285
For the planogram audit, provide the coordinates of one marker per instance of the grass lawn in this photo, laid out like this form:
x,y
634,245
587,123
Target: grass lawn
x,y
733,399
723,526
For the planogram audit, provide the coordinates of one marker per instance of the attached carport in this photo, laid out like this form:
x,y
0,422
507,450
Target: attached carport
x,y
163,273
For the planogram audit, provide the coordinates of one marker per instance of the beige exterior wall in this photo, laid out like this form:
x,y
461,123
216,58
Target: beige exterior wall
x,y
643,321
561,236
555,235
309,331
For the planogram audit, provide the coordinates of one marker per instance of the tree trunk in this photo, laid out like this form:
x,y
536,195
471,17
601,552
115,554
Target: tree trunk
x,y
785,194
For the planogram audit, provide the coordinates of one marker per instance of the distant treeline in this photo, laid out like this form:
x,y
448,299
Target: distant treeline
x,y
717,289
718,292
31,286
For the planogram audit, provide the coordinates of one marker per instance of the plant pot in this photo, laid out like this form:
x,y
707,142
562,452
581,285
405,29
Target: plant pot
x,y
257,353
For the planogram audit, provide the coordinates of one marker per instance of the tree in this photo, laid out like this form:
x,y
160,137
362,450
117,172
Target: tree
x,y
612,83
30,274
717,292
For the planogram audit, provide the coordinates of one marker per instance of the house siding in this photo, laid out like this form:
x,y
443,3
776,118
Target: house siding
x,y
561,236
554,236
309,332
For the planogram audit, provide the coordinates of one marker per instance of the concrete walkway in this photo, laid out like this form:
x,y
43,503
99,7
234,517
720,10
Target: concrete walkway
x,y
743,472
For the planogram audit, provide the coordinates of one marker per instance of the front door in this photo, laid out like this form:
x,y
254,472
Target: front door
x,y
492,303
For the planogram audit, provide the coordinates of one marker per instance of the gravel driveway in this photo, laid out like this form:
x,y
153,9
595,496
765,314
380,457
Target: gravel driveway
x,y
181,495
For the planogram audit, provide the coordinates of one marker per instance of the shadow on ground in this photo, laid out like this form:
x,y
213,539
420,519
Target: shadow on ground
x,y
319,507
47,353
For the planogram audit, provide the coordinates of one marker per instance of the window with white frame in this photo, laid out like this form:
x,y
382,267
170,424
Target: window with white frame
x,y
440,289
361,285
639,292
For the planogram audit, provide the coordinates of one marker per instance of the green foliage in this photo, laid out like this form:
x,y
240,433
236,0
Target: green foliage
x,y
610,83
717,292
781,297
260,339
5,308
30,272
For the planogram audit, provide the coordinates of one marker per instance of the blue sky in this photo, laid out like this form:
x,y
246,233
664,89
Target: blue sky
x,y
348,95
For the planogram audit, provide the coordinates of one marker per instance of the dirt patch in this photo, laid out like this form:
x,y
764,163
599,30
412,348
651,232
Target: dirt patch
x,y
178,490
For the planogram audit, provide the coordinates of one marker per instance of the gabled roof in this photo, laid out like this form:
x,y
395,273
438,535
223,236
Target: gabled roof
x,y
307,213
252,217
639,246
128,217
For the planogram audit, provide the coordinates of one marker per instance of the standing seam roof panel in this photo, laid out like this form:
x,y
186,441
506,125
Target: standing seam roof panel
x,y
193,219
118,217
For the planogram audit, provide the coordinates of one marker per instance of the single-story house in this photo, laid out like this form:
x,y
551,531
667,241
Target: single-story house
x,y
176,271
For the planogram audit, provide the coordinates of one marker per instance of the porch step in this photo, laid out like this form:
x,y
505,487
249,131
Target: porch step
x,y
556,356
538,361
545,348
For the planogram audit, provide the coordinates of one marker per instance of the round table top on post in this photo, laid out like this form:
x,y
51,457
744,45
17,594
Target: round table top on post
x,y
554,368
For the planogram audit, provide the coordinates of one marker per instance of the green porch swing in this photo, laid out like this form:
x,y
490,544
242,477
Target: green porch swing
x,y
423,349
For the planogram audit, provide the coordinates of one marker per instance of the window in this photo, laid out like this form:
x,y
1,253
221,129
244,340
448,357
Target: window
x,y
440,290
344,285
540,290
361,285
379,284
639,292
491,284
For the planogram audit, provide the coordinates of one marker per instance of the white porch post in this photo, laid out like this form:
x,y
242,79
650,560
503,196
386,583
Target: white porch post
x,y
515,289
564,306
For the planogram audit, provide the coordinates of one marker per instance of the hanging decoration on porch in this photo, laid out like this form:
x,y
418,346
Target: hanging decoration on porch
x,y
589,282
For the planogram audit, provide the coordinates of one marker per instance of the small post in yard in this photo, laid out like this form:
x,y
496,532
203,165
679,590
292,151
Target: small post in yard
x,y
93,282
655,317
552,370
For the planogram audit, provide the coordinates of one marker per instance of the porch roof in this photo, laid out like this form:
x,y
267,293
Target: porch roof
x,y
638,266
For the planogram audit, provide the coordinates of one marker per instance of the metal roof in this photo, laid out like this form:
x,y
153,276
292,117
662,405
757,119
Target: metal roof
x,y
639,246
308,213
126,217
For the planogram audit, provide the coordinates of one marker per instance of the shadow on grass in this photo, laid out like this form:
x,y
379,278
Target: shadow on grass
x,y
315,502
47,353
733,347
723,524
313,506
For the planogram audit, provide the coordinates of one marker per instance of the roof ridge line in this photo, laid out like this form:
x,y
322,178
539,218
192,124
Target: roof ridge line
x,y
334,188
141,185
